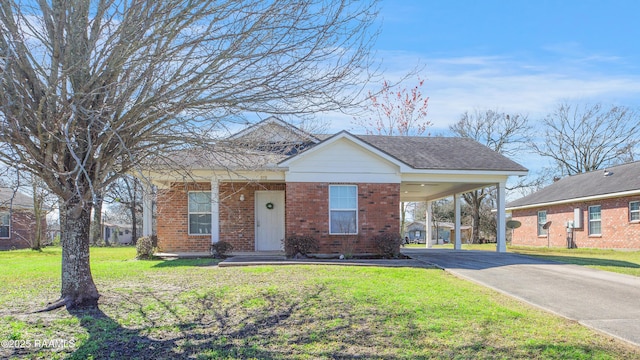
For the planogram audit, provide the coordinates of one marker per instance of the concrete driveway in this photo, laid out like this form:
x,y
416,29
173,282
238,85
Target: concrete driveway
x,y
604,301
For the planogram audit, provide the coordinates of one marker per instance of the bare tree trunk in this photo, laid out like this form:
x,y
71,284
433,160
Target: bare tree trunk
x,y
78,288
37,213
132,208
96,224
474,200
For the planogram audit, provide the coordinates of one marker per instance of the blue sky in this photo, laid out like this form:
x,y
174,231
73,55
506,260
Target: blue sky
x,y
520,56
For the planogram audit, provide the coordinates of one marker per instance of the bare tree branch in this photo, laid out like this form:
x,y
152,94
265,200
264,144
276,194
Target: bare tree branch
x,y
589,137
90,89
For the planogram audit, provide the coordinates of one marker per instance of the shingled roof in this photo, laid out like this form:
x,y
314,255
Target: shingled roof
x,y
18,200
613,181
441,153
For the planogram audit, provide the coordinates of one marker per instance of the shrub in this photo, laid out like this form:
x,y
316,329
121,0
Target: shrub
x,y
221,249
144,248
300,244
388,245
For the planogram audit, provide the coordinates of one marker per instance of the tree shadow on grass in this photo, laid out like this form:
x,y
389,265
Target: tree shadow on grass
x,y
263,326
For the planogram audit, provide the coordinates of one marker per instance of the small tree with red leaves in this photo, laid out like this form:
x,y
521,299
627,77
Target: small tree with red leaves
x,y
396,111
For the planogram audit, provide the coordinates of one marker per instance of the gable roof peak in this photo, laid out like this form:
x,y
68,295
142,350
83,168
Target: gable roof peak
x,y
272,121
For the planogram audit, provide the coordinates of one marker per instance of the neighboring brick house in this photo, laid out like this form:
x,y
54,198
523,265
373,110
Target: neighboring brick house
x,y
17,220
599,209
273,180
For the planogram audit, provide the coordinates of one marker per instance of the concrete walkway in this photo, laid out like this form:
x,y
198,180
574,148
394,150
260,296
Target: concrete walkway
x,y
254,260
607,302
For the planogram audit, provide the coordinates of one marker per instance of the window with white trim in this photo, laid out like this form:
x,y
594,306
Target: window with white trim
x,y
343,209
595,220
200,213
5,225
634,211
542,219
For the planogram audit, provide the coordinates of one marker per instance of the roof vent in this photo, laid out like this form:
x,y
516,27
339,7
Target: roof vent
x,y
607,172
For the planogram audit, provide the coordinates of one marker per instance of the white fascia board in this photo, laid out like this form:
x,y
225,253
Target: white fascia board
x,y
221,175
580,199
346,135
455,176
341,177
498,173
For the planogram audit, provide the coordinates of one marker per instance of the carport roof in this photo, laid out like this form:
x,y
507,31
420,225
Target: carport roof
x,y
441,153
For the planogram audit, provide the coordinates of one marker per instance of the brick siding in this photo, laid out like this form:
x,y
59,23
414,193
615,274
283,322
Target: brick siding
x,y
23,231
173,219
307,213
617,231
237,218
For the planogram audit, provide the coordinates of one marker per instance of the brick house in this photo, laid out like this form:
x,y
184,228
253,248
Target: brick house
x,y
599,209
273,180
17,220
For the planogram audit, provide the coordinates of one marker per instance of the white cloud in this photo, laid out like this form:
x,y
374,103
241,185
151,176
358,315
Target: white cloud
x,y
458,84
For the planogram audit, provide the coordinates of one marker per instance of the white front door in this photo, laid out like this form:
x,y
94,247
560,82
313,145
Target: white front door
x,y
269,220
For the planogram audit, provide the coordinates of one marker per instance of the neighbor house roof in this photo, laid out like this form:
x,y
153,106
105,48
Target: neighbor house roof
x,y
16,199
615,181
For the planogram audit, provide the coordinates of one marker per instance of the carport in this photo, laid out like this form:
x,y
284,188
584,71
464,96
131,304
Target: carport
x,y
430,187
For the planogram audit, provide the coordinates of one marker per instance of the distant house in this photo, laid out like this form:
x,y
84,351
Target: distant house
x,y
273,180
599,209
445,230
117,234
17,220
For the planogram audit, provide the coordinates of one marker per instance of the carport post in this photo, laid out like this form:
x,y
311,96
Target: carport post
x,y
501,237
428,228
215,211
458,240
147,211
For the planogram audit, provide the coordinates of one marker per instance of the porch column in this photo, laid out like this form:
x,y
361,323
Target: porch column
x,y
458,240
215,211
501,238
428,228
147,210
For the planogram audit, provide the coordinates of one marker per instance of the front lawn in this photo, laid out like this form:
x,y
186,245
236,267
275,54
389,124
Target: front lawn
x,y
193,309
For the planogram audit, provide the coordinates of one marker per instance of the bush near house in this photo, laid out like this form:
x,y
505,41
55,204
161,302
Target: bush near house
x,y
388,245
144,248
221,249
300,244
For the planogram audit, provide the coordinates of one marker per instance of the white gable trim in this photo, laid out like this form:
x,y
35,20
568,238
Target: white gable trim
x,y
346,135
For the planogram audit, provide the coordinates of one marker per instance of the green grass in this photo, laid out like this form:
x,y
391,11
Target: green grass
x,y
623,262
188,309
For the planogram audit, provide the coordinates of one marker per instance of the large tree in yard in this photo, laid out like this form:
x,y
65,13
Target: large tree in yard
x,y
89,89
